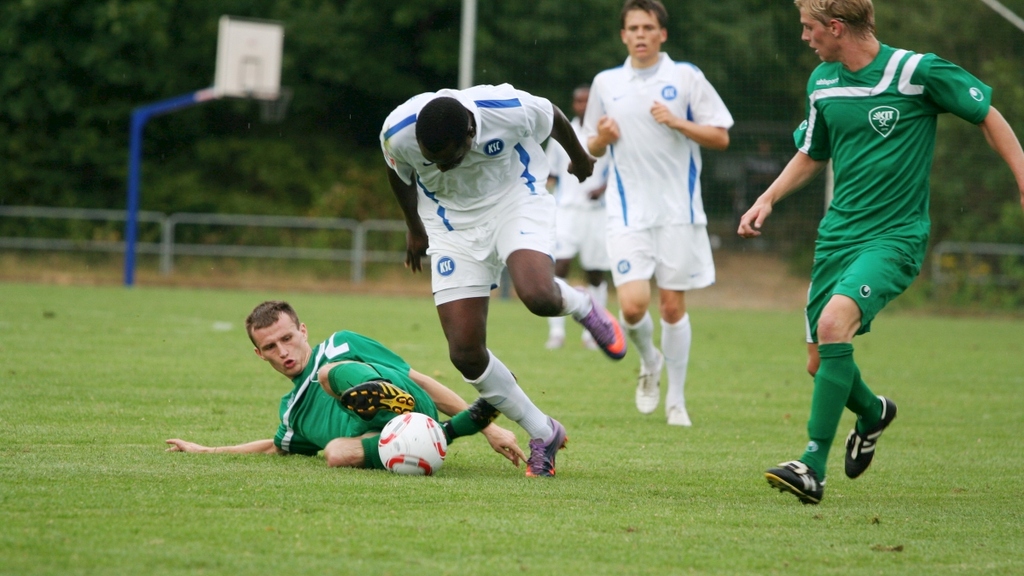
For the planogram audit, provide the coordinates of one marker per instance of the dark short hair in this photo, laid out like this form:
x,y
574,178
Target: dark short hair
x,y
442,122
267,314
653,6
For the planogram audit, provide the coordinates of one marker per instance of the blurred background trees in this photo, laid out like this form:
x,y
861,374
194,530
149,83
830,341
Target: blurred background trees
x,y
73,70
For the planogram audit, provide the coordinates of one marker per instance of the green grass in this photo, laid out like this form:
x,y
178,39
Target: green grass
x,y
92,380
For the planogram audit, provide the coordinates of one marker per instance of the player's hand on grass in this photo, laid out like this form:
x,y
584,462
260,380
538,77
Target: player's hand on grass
x,y
183,446
504,443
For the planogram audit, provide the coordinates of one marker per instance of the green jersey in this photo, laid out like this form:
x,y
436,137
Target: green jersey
x,y
877,125
310,418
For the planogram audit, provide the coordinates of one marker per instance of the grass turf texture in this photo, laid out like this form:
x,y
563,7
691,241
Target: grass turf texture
x,y
94,379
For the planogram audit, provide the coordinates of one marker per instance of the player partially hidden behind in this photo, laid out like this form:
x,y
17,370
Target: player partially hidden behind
x,y
581,223
468,171
871,110
652,116
345,390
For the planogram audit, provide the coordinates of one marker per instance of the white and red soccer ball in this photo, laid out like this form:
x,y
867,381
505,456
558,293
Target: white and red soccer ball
x,y
412,444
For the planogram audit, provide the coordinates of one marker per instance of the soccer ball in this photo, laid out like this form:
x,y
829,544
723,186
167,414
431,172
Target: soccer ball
x,y
412,444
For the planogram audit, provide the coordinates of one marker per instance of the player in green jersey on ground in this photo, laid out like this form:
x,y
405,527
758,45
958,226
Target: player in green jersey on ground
x,y
871,110
346,389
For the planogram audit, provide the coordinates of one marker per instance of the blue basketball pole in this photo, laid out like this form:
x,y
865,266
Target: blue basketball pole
x,y
140,116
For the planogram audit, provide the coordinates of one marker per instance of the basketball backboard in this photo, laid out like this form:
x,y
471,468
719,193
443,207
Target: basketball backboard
x,y
249,58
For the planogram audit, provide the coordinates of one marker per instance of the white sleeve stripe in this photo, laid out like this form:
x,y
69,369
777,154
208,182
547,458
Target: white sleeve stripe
x,y
905,87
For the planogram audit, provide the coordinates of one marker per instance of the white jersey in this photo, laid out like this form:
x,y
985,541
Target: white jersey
x,y
570,192
655,178
505,162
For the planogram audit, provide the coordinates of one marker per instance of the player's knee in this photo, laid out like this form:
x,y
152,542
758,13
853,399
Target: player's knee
x,y
344,453
323,375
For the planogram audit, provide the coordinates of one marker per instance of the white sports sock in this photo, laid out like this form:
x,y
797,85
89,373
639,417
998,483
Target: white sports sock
x,y
498,386
599,294
556,326
573,301
641,335
675,344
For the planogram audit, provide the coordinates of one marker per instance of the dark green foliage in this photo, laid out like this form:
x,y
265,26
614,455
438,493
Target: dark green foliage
x,y
74,70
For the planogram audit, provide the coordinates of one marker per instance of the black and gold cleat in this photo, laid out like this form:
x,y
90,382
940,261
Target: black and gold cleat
x,y
371,398
482,413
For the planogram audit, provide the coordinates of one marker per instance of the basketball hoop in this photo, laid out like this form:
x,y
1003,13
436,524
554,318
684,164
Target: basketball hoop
x,y
249,58
274,111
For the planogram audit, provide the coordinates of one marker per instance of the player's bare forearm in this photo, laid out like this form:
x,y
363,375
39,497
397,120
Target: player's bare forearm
x,y
1002,139
447,401
800,170
256,447
581,163
416,240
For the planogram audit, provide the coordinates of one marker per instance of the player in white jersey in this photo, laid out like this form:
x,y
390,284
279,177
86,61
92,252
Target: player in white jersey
x,y
468,171
580,222
651,116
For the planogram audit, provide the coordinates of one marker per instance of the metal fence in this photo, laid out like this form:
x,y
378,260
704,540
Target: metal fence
x,y
167,248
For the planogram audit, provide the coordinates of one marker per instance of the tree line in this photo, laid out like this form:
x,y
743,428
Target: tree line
x,y
74,69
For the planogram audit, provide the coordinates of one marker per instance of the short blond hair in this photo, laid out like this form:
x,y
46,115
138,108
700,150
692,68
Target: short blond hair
x,y
858,15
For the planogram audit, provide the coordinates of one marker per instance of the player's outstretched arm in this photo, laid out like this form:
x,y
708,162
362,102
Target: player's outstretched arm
x,y
257,447
416,238
800,170
1001,138
581,163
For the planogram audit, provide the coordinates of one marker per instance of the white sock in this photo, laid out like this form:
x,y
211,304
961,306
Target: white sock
x,y
499,388
641,335
599,294
675,344
573,301
556,326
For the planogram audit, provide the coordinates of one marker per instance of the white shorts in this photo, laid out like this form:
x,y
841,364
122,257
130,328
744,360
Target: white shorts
x,y
678,257
582,230
468,263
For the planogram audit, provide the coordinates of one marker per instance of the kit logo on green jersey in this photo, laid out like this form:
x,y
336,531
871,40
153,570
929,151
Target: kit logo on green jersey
x,y
976,94
883,119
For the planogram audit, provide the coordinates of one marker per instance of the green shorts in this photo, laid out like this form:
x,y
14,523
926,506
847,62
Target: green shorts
x,y
870,274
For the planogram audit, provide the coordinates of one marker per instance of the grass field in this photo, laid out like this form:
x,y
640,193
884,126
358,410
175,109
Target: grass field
x,y
93,380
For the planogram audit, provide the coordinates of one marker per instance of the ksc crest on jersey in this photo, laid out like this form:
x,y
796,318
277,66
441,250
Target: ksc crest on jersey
x,y
494,147
883,119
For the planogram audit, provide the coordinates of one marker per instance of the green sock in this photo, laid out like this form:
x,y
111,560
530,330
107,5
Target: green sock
x,y
832,386
462,424
865,404
371,457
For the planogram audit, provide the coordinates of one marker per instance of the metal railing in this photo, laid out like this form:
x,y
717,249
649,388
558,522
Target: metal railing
x,y
971,262
167,248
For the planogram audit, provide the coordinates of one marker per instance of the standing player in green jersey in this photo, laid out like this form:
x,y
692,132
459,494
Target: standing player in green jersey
x,y
871,110
347,388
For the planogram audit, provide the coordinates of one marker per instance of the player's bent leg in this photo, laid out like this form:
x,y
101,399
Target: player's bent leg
x,y
371,398
345,453
533,276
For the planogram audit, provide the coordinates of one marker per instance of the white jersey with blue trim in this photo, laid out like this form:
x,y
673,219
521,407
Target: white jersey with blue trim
x,y
506,160
655,175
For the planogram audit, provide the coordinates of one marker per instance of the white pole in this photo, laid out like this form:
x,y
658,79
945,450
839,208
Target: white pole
x,y
1005,13
467,43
